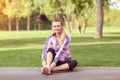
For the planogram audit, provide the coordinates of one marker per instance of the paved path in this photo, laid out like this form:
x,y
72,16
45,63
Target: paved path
x,y
88,73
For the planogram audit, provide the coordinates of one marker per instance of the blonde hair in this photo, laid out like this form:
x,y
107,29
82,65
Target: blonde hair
x,y
62,37
57,19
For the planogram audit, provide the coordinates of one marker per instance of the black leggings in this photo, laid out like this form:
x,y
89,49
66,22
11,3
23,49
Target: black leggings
x,y
72,63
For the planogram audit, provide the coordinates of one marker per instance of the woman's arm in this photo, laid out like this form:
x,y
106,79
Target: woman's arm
x,y
46,46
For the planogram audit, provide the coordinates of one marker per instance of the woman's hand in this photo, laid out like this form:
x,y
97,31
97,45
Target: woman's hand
x,y
53,65
44,63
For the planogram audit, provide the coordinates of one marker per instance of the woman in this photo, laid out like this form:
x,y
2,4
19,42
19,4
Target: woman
x,y
58,57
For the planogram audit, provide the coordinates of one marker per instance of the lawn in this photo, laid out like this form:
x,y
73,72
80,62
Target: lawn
x,y
23,48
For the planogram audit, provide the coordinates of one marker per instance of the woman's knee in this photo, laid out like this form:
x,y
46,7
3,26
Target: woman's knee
x,y
72,64
52,51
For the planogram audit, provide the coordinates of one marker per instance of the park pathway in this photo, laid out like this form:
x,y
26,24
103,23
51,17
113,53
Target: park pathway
x,y
84,73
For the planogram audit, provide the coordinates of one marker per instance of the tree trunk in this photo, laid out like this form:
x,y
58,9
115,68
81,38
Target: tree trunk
x,y
17,24
72,23
78,25
9,24
67,24
100,17
28,23
84,26
39,26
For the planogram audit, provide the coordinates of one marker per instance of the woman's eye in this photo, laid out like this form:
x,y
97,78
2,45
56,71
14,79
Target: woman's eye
x,y
54,26
58,26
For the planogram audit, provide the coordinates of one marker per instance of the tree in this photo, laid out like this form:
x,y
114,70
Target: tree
x,y
100,17
9,10
100,4
37,6
18,10
83,8
26,11
2,15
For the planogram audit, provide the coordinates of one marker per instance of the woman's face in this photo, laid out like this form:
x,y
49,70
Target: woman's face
x,y
57,27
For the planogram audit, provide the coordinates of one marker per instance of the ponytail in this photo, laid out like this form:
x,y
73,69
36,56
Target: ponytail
x,y
62,38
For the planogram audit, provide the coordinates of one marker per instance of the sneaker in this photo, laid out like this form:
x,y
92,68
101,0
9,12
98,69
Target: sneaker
x,y
46,70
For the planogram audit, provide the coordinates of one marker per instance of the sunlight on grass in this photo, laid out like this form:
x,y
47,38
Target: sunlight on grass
x,y
92,43
22,48
23,34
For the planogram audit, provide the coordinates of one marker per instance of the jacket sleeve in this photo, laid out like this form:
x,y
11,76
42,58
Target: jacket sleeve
x,y
46,46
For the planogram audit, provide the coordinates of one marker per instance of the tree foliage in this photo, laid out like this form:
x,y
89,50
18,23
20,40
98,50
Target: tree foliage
x,y
23,8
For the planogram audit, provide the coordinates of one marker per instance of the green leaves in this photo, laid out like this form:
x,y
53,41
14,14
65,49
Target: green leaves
x,y
9,9
50,7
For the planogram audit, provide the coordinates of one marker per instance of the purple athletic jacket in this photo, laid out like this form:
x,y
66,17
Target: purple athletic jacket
x,y
62,53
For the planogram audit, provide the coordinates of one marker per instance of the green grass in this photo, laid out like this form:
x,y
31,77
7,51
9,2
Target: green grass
x,y
23,48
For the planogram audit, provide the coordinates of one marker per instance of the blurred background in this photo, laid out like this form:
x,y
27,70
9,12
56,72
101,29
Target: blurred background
x,y
17,15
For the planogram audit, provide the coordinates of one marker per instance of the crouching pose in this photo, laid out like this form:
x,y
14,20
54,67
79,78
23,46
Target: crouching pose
x,y
56,54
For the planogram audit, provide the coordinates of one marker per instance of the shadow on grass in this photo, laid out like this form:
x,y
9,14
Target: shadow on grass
x,y
91,39
20,58
113,33
21,42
